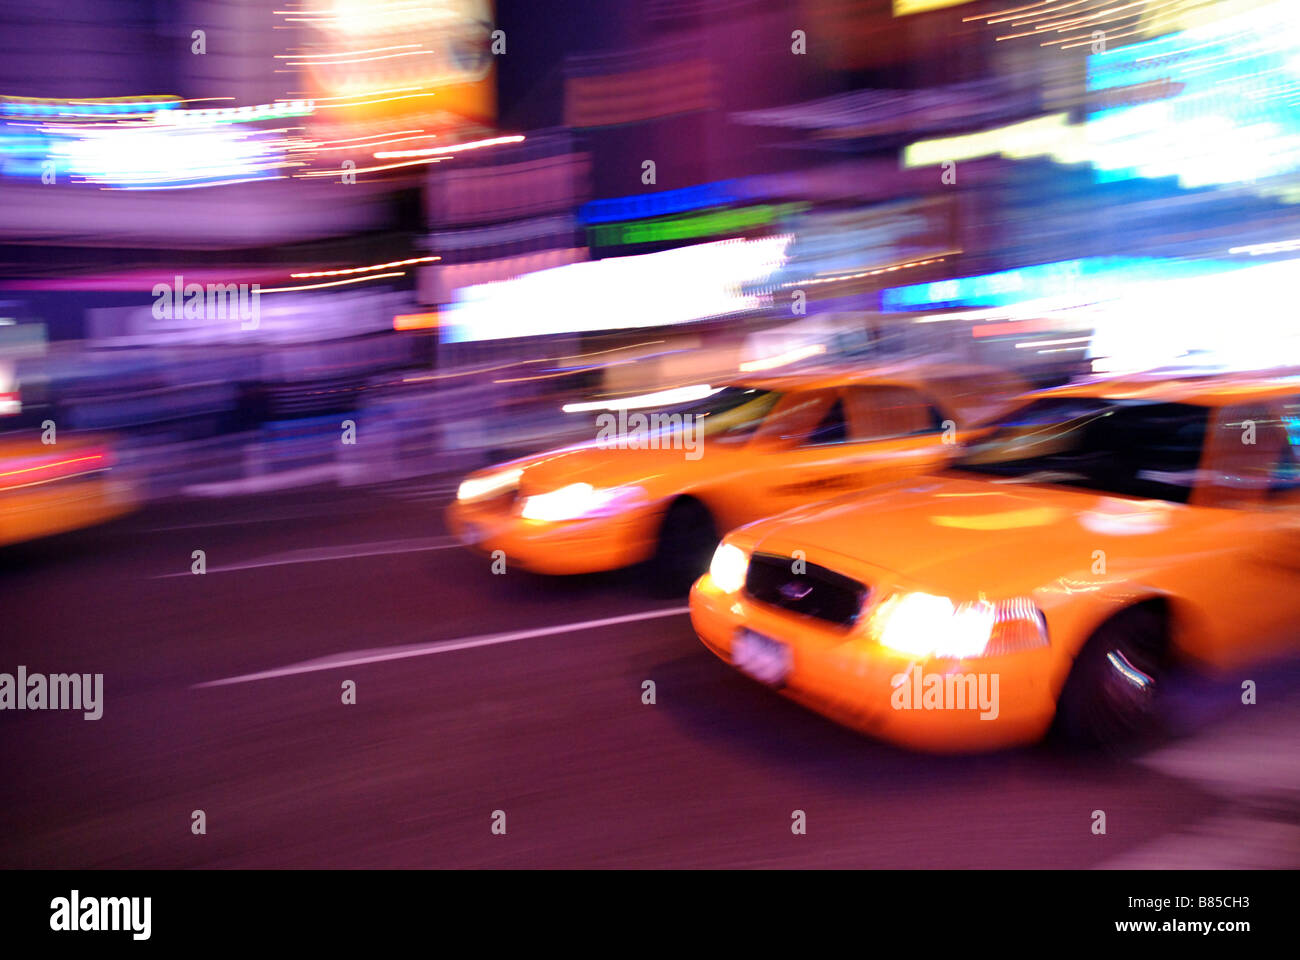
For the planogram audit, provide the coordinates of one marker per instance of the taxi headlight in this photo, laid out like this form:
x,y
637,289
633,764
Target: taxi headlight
x,y
575,500
729,566
488,485
925,625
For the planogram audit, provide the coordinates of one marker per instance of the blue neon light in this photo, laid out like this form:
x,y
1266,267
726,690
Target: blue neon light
x,y
1086,278
661,203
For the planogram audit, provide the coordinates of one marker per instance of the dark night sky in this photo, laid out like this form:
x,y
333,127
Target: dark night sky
x,y
539,34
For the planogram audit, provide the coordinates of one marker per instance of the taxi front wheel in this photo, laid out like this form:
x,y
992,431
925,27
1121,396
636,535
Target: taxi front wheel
x,y
687,539
1112,695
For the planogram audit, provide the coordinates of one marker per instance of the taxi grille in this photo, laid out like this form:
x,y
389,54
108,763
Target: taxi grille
x,y
817,592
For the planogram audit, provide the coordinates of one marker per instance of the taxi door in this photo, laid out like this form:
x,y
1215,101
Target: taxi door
x,y
905,429
821,444
1249,576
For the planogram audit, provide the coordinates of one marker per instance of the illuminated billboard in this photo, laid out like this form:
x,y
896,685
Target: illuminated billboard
x,y
1213,104
683,285
1210,105
424,66
1084,280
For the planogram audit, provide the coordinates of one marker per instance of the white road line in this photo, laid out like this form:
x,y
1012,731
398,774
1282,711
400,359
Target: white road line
x,y
1221,841
1249,761
1245,754
360,657
279,480
346,552
407,493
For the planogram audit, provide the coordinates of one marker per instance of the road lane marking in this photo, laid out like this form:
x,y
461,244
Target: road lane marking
x,y
383,654
319,554
1230,840
1247,760
323,509
267,482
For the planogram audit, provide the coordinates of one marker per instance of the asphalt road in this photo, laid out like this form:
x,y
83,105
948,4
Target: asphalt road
x,y
478,693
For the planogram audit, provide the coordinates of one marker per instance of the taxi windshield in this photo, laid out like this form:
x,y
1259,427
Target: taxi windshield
x,y
1138,448
732,414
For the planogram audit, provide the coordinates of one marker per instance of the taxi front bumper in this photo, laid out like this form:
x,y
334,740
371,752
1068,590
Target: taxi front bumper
x,y
970,705
584,545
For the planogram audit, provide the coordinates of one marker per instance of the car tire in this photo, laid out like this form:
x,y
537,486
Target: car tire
x,y
687,539
1112,697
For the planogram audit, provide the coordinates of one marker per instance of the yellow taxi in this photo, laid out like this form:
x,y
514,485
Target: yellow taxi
x,y
665,474
53,488
1093,538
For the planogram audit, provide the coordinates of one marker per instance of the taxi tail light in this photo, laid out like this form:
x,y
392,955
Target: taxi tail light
x,y
26,471
1017,625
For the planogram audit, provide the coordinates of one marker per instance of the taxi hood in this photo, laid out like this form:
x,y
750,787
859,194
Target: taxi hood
x,y
605,464
961,536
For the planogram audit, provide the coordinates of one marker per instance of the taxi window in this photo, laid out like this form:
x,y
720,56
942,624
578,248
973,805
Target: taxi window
x,y
1286,466
1136,448
1253,450
798,415
732,414
831,429
1266,445
727,414
891,411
